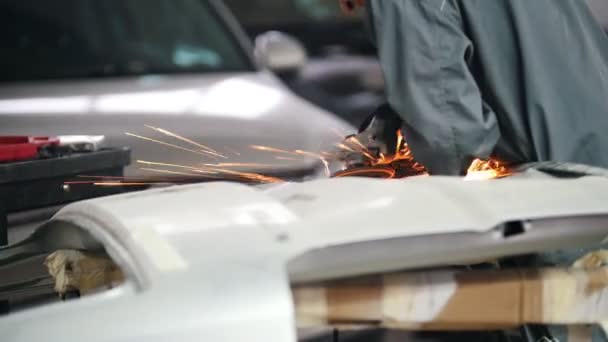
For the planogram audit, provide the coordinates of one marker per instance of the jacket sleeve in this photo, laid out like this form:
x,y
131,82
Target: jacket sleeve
x,y
423,51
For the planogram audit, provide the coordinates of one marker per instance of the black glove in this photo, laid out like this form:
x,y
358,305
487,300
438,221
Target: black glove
x,y
378,133
377,136
373,151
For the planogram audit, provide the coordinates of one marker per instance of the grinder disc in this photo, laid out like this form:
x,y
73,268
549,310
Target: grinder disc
x,y
367,171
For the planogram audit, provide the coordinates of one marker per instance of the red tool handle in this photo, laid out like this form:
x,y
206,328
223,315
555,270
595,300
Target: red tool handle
x,y
17,148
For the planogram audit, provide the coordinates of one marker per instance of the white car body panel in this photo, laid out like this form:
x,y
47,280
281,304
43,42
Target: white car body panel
x,y
214,261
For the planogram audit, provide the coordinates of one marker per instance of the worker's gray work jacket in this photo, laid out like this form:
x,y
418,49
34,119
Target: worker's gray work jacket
x,y
521,80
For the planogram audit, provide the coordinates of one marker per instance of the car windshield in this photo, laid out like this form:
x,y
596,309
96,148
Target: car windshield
x,y
273,12
319,24
93,38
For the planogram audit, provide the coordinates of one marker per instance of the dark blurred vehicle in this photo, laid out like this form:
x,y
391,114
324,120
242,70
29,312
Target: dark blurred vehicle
x,y
111,67
342,74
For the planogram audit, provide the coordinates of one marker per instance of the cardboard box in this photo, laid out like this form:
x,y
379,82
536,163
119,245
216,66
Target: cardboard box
x,y
458,300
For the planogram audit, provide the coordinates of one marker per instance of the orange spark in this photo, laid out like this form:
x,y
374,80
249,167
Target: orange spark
x,y
399,140
97,179
197,169
179,137
251,176
356,141
270,149
215,154
80,182
101,177
487,169
206,174
344,147
295,153
374,172
241,165
207,154
116,182
361,148
124,183
310,154
174,172
403,154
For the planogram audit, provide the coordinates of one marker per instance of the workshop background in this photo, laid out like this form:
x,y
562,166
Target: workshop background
x,y
102,97
115,74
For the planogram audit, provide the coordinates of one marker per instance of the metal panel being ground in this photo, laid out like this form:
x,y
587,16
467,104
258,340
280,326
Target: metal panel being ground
x,y
231,249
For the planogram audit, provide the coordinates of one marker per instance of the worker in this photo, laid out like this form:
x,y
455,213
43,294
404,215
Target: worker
x,y
518,80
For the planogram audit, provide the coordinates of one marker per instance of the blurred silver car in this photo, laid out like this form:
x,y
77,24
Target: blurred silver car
x,y
178,71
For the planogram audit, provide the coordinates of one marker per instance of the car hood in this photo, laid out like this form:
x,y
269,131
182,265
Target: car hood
x,y
226,112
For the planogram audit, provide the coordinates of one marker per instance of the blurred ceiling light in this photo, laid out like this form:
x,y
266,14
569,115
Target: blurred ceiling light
x,y
239,98
46,105
166,102
234,97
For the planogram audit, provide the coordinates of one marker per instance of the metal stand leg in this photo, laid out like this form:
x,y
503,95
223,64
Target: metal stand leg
x,y
3,227
4,305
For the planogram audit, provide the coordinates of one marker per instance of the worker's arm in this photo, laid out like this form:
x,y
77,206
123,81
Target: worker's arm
x,y
423,52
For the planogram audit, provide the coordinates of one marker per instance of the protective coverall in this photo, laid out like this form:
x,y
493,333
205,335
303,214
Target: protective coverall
x,y
520,80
